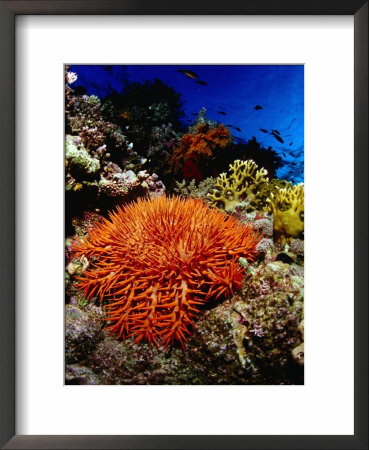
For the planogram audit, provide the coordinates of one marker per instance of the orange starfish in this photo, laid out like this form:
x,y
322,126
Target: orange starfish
x,y
156,261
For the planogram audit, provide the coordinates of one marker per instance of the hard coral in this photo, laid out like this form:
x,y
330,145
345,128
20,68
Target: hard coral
x,y
78,159
287,206
201,190
244,184
199,147
155,262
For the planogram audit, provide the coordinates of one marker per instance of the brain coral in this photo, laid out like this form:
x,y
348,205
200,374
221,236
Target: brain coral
x,y
156,261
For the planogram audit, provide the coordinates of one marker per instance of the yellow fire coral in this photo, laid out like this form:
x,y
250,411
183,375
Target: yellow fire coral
x,y
243,185
287,206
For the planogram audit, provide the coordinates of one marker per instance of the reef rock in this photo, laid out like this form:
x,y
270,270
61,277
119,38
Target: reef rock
x,y
251,338
75,374
82,333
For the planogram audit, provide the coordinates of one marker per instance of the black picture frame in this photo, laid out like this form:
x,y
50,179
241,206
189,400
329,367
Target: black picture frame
x,y
8,11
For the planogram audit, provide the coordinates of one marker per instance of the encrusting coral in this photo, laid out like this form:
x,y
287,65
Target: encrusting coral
x,y
243,185
155,262
287,206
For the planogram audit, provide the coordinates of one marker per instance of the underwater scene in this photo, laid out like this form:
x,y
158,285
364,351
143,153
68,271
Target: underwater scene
x,y
184,224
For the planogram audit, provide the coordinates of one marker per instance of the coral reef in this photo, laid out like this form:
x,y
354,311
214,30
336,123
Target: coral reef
x,y
82,333
287,206
201,119
297,247
79,375
162,142
78,160
271,310
263,157
254,337
102,169
84,224
265,225
201,190
85,117
142,106
265,246
242,186
156,262
239,149
204,287
273,186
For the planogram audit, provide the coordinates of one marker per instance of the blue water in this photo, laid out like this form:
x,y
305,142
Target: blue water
x,y
233,89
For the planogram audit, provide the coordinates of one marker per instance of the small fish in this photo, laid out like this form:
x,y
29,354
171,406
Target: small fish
x,y
284,154
263,130
291,143
189,74
108,68
237,128
257,107
230,126
203,83
294,164
276,131
222,113
290,125
279,139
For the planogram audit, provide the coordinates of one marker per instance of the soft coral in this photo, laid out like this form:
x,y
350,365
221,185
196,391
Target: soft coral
x,y
198,148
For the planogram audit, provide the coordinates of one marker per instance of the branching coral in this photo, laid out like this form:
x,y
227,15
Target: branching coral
x,y
199,147
192,190
155,262
272,187
287,206
244,184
